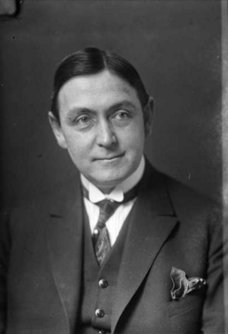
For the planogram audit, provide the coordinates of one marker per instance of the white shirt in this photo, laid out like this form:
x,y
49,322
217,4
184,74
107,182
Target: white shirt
x,y
115,222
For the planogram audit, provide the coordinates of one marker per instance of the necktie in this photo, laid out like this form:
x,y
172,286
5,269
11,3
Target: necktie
x,y
100,237
101,241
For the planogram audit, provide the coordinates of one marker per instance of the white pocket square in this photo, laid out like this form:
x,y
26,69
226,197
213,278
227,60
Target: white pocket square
x,y
183,285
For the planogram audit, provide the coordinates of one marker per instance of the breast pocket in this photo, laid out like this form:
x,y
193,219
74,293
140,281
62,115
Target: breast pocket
x,y
190,303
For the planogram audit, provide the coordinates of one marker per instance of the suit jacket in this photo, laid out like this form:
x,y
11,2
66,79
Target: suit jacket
x,y
41,255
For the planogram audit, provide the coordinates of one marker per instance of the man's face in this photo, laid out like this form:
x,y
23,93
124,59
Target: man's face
x,y
101,126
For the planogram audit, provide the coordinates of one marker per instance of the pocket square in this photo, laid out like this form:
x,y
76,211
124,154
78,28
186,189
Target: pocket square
x,y
183,285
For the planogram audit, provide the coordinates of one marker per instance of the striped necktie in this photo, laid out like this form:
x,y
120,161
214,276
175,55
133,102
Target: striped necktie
x,y
100,236
101,241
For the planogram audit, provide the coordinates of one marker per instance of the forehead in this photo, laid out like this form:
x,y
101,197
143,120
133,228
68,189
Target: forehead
x,y
97,90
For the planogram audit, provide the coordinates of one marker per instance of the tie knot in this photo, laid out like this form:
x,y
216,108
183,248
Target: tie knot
x,y
107,208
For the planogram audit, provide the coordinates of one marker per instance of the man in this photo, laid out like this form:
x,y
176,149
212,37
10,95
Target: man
x,y
129,250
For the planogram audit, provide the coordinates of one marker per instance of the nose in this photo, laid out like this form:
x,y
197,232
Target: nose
x,y
105,135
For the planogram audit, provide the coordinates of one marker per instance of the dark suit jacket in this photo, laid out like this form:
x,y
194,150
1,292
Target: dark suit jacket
x,y
172,226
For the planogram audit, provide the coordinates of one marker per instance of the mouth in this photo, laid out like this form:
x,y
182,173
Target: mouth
x,y
110,158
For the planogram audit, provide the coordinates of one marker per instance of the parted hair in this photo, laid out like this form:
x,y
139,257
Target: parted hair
x,y
90,61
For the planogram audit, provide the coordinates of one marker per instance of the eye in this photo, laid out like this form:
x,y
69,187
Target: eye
x,y
83,121
121,115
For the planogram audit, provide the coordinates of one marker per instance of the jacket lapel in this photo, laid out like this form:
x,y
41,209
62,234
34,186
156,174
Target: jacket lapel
x,y
65,247
151,222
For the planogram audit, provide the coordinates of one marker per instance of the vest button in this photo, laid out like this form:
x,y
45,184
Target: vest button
x,y
103,283
101,332
96,231
99,313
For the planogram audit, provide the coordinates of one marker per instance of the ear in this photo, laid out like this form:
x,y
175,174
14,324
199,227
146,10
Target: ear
x,y
148,116
57,130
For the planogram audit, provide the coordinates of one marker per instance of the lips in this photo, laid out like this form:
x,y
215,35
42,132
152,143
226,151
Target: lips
x,y
109,158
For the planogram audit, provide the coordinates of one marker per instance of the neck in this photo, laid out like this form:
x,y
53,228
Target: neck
x,y
106,190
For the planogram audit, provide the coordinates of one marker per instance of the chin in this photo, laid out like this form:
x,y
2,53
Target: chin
x,y
110,180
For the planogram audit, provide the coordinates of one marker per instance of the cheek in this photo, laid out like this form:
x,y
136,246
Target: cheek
x,y
134,137
78,146
80,157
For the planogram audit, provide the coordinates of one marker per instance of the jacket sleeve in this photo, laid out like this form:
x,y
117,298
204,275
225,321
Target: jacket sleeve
x,y
4,259
214,309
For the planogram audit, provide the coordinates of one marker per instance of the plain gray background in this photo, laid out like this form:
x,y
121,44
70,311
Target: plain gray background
x,y
176,47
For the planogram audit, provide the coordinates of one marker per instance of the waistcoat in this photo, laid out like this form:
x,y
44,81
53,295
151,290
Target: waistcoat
x,y
99,283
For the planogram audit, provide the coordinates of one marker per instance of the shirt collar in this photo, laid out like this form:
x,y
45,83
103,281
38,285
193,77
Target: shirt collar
x,y
117,194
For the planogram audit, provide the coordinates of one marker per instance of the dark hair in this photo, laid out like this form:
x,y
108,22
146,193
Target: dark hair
x,y
91,61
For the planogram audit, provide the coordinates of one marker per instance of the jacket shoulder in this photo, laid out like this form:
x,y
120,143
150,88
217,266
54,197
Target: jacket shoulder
x,y
186,202
189,204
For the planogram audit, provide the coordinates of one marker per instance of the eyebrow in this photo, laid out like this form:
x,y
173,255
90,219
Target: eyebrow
x,y
122,104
